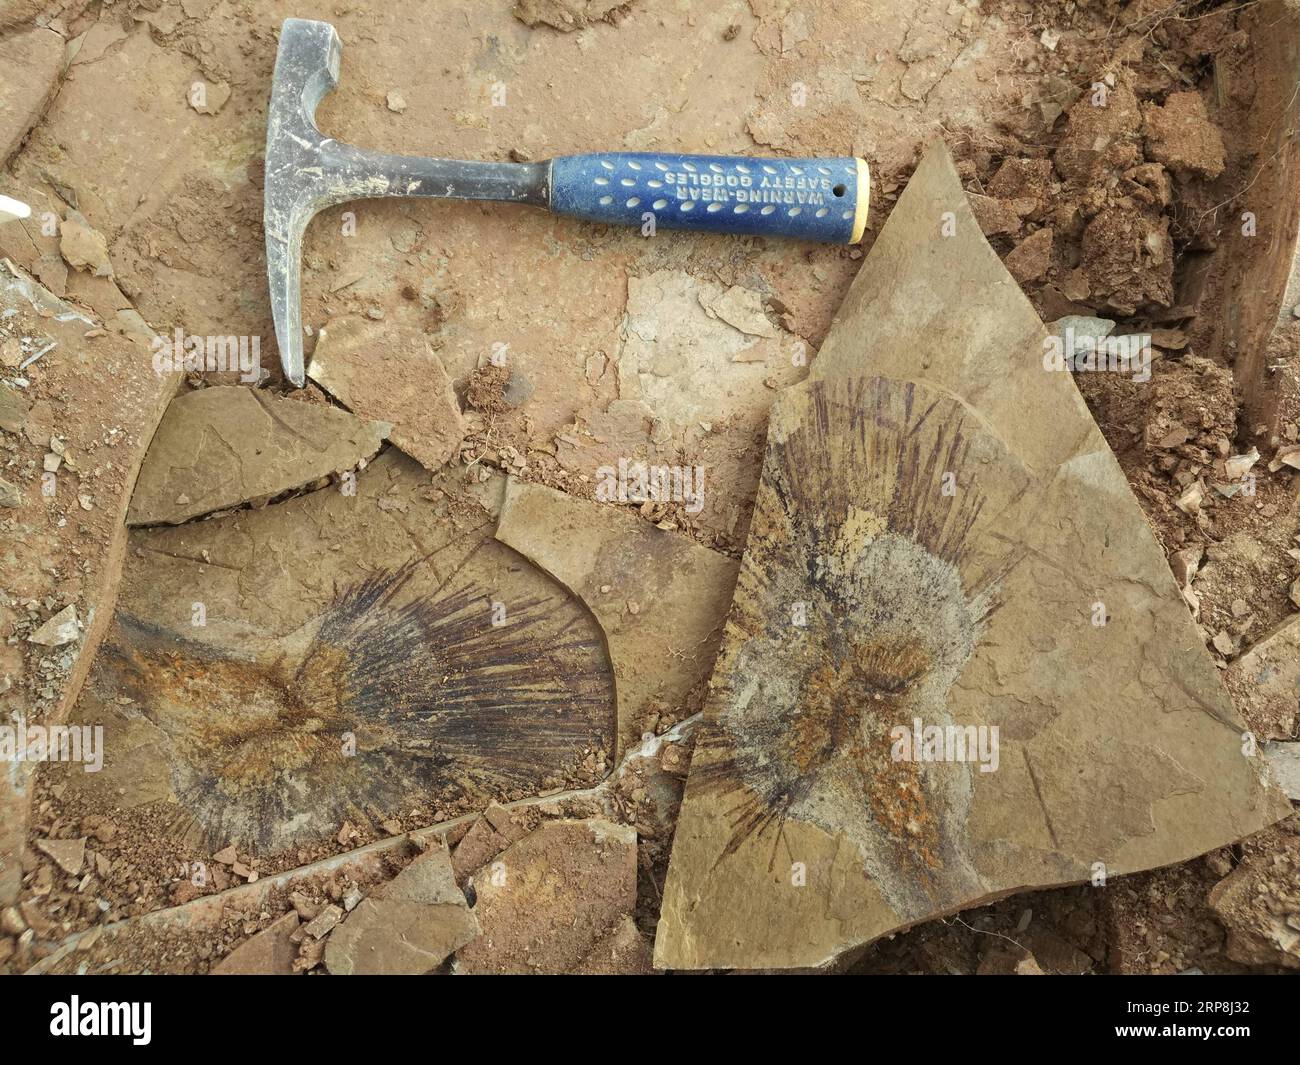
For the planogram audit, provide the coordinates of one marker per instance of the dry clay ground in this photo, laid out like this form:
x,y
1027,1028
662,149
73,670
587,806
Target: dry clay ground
x,y
672,348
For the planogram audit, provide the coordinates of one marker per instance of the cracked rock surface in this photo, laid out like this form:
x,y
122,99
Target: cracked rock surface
x,y
219,447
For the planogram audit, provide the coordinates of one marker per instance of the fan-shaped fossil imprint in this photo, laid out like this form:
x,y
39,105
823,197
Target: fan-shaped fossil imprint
x,y
355,658
854,615
387,701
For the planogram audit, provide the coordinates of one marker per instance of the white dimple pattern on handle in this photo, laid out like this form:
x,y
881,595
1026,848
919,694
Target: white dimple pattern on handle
x,y
689,205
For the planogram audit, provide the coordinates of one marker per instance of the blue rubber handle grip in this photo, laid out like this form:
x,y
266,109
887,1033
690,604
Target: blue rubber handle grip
x,y
810,199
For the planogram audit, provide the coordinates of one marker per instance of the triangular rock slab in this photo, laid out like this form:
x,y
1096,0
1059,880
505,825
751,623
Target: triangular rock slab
x,y
929,543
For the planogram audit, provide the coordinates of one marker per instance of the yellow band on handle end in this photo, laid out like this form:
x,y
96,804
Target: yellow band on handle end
x,y
864,201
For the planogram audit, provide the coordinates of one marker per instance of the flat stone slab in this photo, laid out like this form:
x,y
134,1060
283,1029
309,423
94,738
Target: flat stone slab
x,y
382,371
659,596
555,901
409,927
30,66
274,673
223,446
1267,679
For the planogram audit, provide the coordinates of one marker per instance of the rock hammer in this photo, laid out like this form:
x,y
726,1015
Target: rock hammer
x,y
821,199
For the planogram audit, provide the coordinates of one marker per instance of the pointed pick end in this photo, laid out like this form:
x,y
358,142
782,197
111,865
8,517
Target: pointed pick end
x,y
284,277
288,335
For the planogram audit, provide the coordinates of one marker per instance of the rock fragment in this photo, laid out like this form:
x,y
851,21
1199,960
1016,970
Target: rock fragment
x,y
742,309
1080,333
324,922
1259,910
1286,455
1025,184
222,446
1099,138
30,67
68,854
566,15
485,839
1284,758
554,901
1030,259
11,495
83,247
1180,135
211,99
270,952
1265,679
1127,255
1237,466
62,628
995,217
13,408
409,927
392,374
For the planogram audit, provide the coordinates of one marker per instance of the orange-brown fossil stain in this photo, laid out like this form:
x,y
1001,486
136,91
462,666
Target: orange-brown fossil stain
x,y
851,705
847,708
247,721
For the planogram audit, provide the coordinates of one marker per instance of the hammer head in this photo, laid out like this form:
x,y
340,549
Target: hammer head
x,y
306,69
